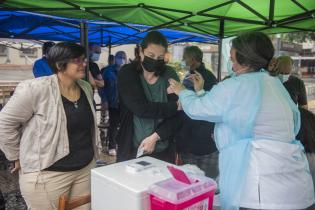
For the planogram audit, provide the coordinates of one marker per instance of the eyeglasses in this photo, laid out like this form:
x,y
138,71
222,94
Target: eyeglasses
x,y
79,61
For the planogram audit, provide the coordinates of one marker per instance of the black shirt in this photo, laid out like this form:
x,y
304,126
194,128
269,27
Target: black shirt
x,y
296,89
79,125
94,69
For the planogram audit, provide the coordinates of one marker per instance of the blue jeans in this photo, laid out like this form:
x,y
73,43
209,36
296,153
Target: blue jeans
x,y
208,163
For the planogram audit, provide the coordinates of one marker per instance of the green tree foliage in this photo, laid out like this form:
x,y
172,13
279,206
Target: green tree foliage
x,y
298,37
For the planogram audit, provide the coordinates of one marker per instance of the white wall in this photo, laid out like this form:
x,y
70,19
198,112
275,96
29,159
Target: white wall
x,y
15,58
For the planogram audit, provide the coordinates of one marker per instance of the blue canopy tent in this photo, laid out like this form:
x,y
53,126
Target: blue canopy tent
x,y
25,25
32,26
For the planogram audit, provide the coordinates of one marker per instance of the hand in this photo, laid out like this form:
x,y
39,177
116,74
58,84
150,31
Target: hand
x,y
169,90
175,86
198,81
17,166
148,144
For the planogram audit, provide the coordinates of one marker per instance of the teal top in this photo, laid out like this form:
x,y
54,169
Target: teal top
x,y
157,92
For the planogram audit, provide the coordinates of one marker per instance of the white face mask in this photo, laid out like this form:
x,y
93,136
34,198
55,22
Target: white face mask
x,y
120,62
95,56
284,77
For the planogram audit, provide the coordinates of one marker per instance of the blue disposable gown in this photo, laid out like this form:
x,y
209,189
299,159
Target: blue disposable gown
x,y
233,105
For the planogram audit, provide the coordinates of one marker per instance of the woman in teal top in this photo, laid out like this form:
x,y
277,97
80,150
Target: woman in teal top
x,y
144,127
153,75
261,164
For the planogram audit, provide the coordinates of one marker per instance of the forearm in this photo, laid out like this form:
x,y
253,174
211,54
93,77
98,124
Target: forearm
x,y
201,106
169,126
99,83
92,80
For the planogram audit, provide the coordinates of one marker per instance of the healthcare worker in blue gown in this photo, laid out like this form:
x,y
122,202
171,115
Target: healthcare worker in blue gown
x,y
262,165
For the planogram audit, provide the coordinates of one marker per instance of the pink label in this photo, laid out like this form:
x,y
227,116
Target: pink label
x,y
201,205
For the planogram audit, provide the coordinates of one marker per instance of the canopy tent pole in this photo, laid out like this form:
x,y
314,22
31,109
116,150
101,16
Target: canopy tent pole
x,y
109,45
221,36
85,43
102,37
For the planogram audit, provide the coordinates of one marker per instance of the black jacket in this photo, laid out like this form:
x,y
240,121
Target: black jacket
x,y
133,101
296,88
191,136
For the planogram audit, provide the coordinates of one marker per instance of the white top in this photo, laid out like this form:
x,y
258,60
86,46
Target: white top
x,y
275,167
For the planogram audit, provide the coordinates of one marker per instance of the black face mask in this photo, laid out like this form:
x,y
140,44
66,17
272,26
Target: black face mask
x,y
152,65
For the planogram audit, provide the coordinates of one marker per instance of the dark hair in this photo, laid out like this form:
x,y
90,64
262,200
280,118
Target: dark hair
x,y
154,37
47,46
194,52
253,49
62,53
307,132
111,58
137,52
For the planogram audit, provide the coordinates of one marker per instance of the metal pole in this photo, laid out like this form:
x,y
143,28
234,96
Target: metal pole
x,y
109,45
221,36
102,38
278,45
85,43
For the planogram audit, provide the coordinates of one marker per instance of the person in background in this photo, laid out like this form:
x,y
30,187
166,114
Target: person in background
x,y
294,85
111,94
260,161
307,137
194,138
102,93
95,76
41,67
136,53
111,60
144,102
59,143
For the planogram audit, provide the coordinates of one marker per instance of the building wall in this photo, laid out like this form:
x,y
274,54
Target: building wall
x,y
14,56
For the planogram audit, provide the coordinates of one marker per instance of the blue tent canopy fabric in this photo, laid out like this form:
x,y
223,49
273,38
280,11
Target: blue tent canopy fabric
x,y
25,25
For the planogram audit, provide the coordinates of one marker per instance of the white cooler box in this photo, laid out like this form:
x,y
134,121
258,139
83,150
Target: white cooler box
x,y
115,188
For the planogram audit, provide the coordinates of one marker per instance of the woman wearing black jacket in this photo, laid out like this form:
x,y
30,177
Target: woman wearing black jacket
x,y
144,106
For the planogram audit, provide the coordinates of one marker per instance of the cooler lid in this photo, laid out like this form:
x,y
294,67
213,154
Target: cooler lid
x,y
136,184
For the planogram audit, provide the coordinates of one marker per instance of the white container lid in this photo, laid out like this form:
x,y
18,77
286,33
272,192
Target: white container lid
x,y
136,184
177,192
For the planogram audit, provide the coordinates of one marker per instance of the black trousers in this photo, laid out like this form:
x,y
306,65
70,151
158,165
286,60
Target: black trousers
x,y
113,127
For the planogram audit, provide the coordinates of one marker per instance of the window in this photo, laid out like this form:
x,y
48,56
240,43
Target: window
x,y
30,52
3,50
